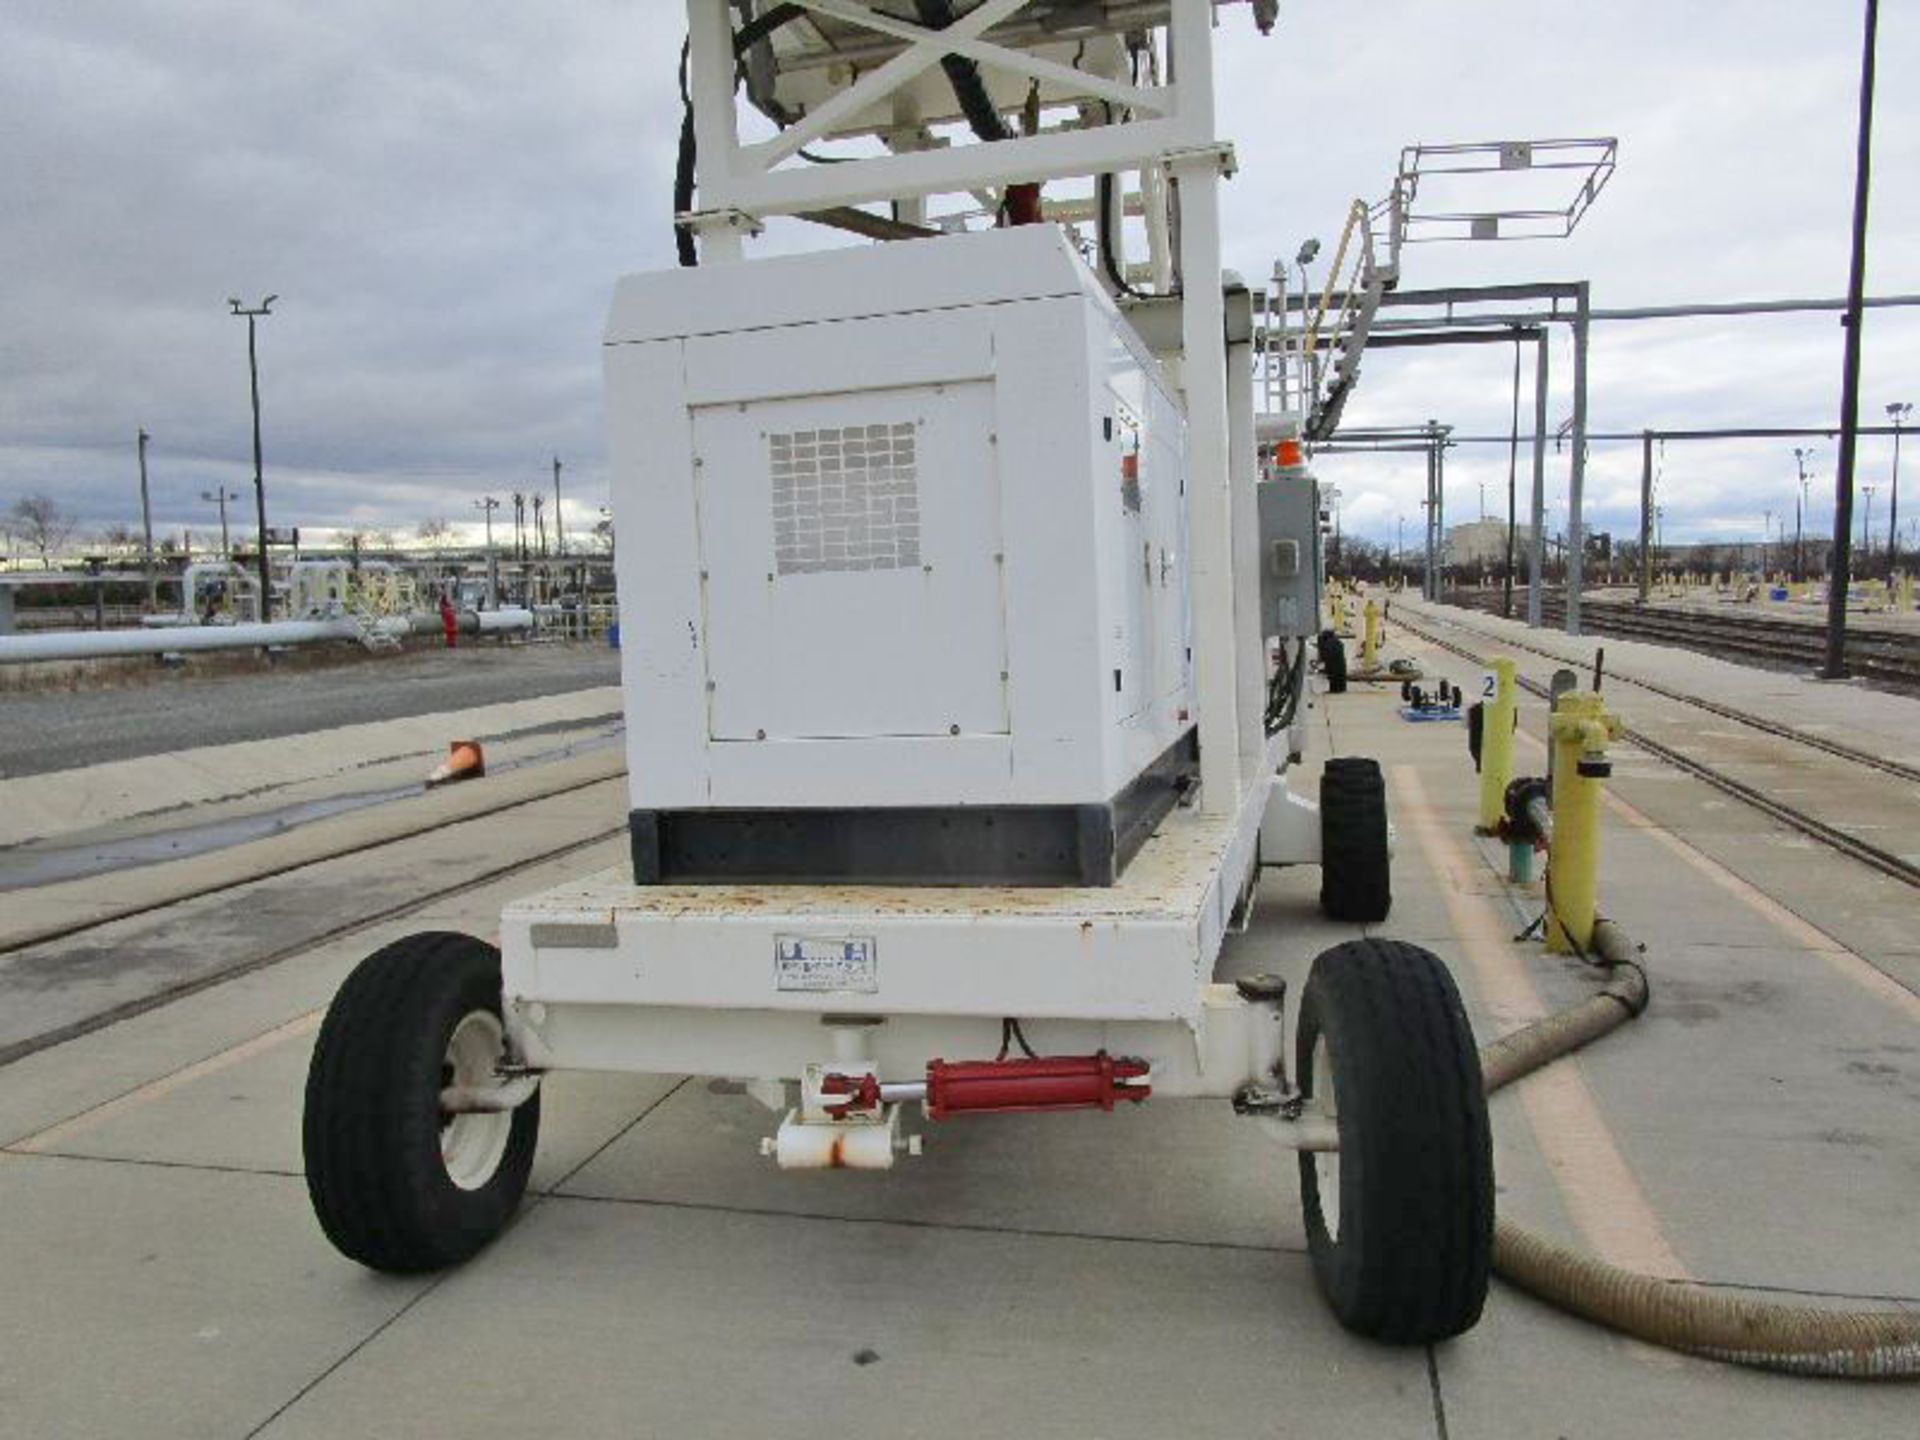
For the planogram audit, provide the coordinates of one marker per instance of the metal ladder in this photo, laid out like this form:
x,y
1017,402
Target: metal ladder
x,y
1299,381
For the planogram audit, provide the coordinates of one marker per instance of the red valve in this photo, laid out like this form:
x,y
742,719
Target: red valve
x,y
862,1092
1053,1082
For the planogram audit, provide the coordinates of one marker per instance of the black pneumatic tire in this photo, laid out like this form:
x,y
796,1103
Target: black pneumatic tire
x,y
1333,661
372,1130
1356,882
1414,1242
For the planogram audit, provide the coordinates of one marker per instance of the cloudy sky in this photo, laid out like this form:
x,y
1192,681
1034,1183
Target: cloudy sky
x,y
442,191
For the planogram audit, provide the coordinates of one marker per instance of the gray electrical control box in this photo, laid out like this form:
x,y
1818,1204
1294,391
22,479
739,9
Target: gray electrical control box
x,y
1289,557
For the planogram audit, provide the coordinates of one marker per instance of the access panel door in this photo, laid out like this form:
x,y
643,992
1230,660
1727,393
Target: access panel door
x,y
850,555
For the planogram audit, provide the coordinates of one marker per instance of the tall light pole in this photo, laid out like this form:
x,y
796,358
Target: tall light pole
x,y
1897,412
146,525
559,530
1339,549
1800,457
1835,667
253,314
1766,537
220,498
1866,530
1309,360
486,505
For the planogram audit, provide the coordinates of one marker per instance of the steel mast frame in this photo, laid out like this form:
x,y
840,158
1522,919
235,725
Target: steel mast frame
x,y
602,973
742,184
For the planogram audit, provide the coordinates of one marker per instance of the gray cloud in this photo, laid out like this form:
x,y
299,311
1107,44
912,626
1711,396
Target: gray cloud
x,y
442,194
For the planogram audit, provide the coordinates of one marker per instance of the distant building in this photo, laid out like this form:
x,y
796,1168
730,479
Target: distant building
x,y
1484,543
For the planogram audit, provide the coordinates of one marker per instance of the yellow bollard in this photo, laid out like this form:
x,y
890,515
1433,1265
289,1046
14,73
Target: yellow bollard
x,y
1580,730
1496,747
1370,646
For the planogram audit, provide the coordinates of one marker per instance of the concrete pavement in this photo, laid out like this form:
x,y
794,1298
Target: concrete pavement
x,y
1130,1275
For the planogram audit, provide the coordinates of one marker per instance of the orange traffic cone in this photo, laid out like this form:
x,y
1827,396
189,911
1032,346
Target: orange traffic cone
x,y
464,762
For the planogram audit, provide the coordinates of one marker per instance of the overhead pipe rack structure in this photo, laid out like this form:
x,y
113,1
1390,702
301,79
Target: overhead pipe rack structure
x,y
1478,328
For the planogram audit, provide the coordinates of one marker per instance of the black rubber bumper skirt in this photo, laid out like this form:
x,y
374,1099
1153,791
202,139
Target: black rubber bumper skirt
x,y
917,845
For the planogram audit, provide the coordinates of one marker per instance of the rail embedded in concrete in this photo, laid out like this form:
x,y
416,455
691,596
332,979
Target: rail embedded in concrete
x,y
1882,655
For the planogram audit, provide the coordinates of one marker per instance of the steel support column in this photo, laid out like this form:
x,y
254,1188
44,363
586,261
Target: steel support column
x,y
1576,485
1250,646
1203,376
1429,586
1646,517
1537,543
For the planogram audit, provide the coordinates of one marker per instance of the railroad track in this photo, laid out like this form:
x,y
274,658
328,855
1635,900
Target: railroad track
x,y
1888,862
1881,657
429,894
1726,712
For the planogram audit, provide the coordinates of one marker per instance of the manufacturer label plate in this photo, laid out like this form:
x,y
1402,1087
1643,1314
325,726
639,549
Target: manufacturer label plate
x,y
826,964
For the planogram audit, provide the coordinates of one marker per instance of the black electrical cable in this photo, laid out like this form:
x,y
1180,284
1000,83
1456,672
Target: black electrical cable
x,y
744,39
683,173
763,25
1020,1038
1284,689
964,76
1103,228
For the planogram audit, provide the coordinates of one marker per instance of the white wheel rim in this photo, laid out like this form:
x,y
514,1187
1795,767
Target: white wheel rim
x,y
472,1145
1326,1163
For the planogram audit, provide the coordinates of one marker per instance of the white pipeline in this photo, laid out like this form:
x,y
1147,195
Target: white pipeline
x,y
476,622
490,621
99,644
177,639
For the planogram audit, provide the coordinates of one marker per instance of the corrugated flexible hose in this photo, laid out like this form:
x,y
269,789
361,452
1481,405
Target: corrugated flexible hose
x,y
1796,1339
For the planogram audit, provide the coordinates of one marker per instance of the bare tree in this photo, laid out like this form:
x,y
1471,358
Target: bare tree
x,y
42,525
434,531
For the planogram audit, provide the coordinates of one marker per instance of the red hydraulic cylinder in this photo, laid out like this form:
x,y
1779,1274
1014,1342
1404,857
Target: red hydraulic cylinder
x,y
1051,1082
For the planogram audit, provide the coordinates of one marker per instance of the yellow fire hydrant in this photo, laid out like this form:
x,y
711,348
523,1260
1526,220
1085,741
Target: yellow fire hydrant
x,y
1370,646
1496,747
1580,731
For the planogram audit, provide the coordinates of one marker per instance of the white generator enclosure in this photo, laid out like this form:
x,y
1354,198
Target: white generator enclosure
x,y
910,525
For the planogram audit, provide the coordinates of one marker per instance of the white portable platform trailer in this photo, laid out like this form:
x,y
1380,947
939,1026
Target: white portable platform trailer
x,y
954,582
